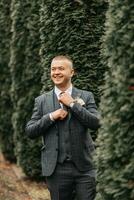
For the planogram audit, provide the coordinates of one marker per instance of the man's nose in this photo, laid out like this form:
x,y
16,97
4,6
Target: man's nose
x,y
57,71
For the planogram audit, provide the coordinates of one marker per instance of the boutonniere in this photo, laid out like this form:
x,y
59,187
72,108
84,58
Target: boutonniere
x,y
80,101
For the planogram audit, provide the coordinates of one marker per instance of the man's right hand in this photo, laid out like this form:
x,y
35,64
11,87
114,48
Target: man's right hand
x,y
59,114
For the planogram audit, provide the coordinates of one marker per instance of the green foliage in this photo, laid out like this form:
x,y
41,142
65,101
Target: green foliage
x,y
73,28
115,154
26,83
6,131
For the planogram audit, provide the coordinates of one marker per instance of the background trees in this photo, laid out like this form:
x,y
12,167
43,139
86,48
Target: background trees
x,y
26,80
115,157
6,108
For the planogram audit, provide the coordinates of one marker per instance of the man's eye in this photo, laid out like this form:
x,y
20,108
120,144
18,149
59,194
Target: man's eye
x,y
61,68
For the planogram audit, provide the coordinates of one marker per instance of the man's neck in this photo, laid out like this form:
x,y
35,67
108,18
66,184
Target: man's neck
x,y
63,89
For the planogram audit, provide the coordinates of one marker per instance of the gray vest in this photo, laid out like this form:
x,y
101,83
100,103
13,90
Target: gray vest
x,y
64,150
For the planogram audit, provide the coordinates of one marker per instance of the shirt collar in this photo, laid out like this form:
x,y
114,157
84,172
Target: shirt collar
x,y
58,91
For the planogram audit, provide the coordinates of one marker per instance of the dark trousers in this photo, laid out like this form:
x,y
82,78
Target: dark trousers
x,y
67,182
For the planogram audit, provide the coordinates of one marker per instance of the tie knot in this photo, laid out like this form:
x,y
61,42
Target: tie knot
x,y
61,93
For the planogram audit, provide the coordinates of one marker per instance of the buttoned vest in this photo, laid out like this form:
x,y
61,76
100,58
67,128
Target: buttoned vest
x,y
64,143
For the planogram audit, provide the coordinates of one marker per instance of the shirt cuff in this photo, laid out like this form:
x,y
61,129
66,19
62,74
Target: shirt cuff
x,y
51,117
71,104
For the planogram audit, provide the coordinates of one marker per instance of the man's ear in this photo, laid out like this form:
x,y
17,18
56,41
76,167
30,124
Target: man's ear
x,y
72,72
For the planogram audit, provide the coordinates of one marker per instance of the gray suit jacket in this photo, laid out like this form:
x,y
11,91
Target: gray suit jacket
x,y
82,118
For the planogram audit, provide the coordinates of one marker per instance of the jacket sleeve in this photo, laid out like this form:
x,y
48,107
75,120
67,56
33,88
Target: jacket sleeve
x,y
39,123
88,114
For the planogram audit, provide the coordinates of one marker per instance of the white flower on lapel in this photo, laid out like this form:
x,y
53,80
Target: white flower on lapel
x,y
80,101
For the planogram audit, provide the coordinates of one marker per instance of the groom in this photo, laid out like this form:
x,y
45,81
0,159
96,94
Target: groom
x,y
62,117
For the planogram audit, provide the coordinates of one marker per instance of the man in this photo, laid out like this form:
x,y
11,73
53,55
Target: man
x,y
62,117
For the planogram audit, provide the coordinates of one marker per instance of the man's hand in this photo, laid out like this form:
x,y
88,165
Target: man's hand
x,y
66,99
59,114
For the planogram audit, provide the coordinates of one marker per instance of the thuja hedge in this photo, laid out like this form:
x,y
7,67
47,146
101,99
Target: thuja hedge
x,y
26,80
115,154
73,28
6,131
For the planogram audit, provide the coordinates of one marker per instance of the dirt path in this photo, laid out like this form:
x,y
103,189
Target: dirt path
x,y
15,186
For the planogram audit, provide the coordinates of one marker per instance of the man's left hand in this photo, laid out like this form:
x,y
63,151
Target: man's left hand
x,y
66,99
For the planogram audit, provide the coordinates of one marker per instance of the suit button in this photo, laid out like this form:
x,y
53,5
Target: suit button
x,y
56,149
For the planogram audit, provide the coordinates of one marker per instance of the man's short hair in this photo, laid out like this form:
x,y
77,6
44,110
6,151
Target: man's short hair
x,y
63,57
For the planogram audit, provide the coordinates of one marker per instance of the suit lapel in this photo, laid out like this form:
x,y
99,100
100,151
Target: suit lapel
x,y
56,102
52,101
76,93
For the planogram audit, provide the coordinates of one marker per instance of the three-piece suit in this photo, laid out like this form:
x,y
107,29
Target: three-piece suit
x,y
65,140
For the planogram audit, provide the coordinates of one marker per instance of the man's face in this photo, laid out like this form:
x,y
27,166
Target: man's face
x,y
61,72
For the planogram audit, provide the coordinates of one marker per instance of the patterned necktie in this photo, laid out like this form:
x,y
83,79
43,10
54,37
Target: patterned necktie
x,y
65,107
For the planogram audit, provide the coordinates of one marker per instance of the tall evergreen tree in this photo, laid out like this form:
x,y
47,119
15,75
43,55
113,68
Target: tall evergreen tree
x,y
73,28
115,154
6,131
26,83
